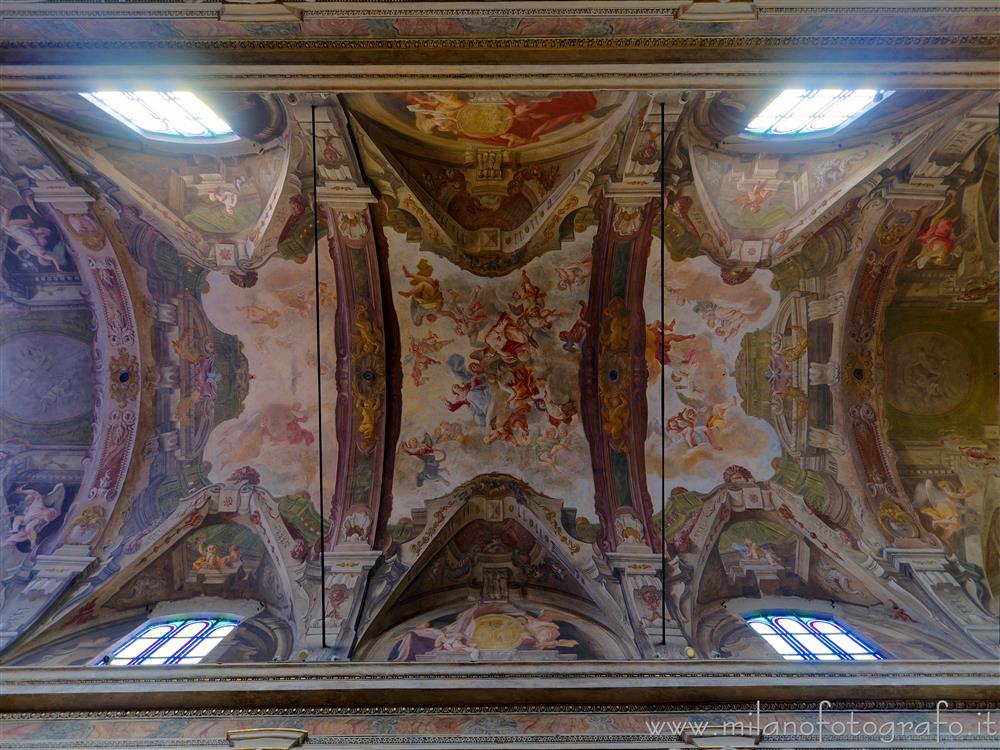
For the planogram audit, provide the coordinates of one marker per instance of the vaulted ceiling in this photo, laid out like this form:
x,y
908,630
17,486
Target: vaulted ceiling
x,y
411,372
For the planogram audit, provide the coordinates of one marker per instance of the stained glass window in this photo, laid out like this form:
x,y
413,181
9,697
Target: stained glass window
x,y
164,115
805,111
810,638
185,641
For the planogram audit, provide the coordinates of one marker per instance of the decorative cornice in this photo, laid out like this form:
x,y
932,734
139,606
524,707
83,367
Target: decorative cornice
x,y
407,9
370,686
665,42
612,708
276,76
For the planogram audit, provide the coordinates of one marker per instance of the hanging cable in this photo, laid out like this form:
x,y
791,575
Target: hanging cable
x,y
319,388
663,383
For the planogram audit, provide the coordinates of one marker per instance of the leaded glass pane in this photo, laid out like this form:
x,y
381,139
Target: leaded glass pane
x,y
812,644
848,644
825,626
163,115
169,647
790,625
805,111
136,647
779,644
762,627
191,629
157,631
179,642
807,638
221,631
203,647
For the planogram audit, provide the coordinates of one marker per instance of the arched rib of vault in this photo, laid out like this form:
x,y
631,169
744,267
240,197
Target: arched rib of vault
x,y
492,497
54,193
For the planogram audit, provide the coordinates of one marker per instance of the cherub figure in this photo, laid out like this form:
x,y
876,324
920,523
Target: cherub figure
x,y
684,425
33,237
232,561
749,550
660,338
725,322
754,199
937,243
430,457
550,443
531,310
210,558
509,340
468,316
513,430
37,512
261,315
228,199
573,338
573,274
425,295
684,377
558,412
419,357
945,506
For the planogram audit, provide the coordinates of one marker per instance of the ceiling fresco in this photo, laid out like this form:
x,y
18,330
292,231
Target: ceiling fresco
x,y
436,392
491,375
276,433
707,429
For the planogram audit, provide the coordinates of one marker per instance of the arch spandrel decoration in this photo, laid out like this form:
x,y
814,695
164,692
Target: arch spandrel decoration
x,y
503,545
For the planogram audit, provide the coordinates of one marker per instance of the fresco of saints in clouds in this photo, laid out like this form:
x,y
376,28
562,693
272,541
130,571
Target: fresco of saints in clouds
x,y
277,431
489,383
706,429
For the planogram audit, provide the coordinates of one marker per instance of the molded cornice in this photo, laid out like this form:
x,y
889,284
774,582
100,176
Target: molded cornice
x,y
373,685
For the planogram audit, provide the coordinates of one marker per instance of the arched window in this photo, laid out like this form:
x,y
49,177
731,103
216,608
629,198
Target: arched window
x,y
180,641
813,111
177,116
799,637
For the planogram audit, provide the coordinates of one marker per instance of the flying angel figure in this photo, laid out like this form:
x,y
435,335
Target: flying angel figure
x,y
37,513
945,506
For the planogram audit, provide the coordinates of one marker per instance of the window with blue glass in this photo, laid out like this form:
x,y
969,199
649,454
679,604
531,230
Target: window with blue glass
x,y
814,111
799,637
182,641
178,116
